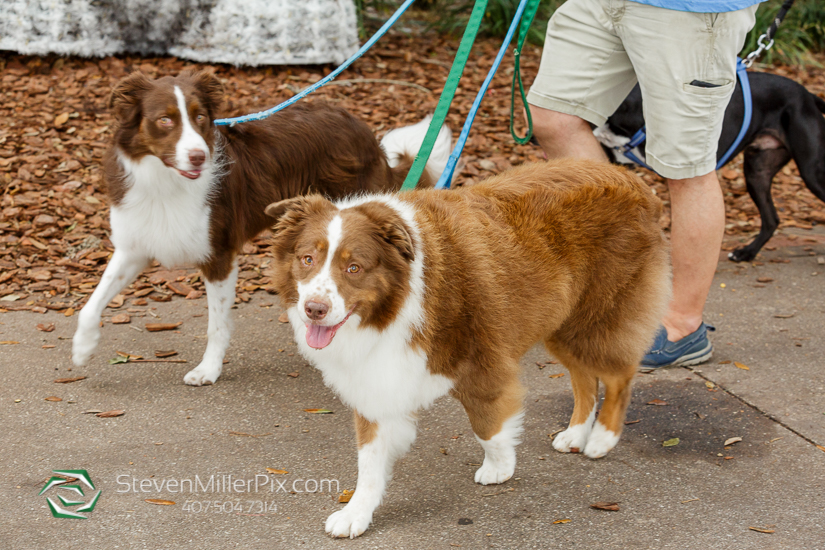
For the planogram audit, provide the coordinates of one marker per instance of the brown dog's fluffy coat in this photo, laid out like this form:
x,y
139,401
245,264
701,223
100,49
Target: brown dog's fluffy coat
x,y
568,253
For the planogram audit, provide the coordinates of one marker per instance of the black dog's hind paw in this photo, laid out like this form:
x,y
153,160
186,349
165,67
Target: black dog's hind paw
x,y
743,254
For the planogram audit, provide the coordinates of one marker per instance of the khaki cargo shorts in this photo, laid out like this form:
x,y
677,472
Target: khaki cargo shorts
x,y
596,51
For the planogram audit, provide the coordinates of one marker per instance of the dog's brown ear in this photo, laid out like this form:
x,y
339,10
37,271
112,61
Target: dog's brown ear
x,y
396,234
211,91
125,98
291,213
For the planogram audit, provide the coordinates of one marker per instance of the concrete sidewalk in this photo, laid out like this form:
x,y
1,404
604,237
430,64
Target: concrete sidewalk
x,y
697,494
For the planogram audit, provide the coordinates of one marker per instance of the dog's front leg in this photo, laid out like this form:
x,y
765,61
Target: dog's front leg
x,y
379,445
122,269
220,296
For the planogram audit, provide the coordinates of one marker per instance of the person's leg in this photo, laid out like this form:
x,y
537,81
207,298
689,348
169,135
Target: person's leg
x,y
696,230
563,135
584,76
686,77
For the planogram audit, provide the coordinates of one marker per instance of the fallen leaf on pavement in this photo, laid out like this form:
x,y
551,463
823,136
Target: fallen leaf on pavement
x,y
121,319
118,359
318,411
784,315
346,495
658,402
69,312
609,506
159,502
277,471
559,375
117,301
629,422
294,374
157,327
53,398
92,411
742,366
764,279
759,530
732,440
129,356
670,442
110,414
45,327
725,362
68,380
161,354
710,385
283,317
561,521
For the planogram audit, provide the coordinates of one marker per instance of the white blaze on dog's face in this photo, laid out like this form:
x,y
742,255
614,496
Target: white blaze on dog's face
x,y
170,118
336,264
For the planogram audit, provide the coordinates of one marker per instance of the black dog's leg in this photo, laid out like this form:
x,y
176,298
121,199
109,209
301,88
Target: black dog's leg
x,y
764,157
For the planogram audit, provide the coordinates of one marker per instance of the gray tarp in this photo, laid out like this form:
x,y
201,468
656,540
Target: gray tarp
x,y
240,32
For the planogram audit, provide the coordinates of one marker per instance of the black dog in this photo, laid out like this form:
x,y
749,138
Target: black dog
x,y
787,124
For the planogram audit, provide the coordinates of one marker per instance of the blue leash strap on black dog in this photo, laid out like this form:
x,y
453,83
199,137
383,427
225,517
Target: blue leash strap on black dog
x,y
742,74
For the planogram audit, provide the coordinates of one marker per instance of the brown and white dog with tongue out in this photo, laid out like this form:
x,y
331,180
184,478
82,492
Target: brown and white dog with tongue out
x,y
401,299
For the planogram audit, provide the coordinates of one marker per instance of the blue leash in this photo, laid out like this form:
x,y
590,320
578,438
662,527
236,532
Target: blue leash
x,y
742,74
447,174
306,91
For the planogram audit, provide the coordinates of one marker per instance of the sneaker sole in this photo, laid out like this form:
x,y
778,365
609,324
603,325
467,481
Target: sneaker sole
x,y
694,358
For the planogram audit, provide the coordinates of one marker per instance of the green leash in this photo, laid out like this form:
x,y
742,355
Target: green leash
x,y
446,96
526,21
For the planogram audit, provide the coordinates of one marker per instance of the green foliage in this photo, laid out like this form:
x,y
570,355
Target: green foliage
x,y
802,32
453,16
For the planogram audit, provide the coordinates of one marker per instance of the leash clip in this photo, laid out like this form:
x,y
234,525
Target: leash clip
x,y
754,55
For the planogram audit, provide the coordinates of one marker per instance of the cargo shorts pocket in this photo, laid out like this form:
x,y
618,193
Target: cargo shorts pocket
x,y
717,88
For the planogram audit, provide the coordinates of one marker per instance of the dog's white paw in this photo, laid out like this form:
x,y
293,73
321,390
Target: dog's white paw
x,y
202,375
601,440
84,345
492,473
573,439
349,522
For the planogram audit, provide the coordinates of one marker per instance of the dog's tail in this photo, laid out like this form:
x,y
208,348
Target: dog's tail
x,y
820,103
402,144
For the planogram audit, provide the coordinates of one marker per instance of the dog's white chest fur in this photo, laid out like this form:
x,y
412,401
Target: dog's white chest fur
x,y
163,215
375,373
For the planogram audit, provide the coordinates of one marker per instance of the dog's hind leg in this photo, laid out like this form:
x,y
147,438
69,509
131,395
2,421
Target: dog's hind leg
x,y
379,445
608,427
495,412
220,297
122,269
763,159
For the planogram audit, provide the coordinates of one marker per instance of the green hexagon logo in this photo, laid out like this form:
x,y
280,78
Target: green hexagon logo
x,y
65,483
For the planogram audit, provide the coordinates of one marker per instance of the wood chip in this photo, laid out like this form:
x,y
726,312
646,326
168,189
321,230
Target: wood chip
x,y
276,471
295,374
160,502
157,327
45,327
69,380
609,506
110,414
732,440
162,354
53,398
760,530
657,402
346,495
283,317
121,319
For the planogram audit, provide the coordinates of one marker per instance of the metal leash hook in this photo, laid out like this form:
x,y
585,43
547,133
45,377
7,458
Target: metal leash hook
x,y
754,55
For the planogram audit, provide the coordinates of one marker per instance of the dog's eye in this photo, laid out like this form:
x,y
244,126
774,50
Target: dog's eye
x,y
353,269
307,260
200,118
165,121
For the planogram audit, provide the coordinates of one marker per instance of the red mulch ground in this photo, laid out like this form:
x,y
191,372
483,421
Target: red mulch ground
x,y
55,125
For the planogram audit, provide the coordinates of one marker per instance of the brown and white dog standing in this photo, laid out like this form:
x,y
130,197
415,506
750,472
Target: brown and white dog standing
x,y
185,193
399,300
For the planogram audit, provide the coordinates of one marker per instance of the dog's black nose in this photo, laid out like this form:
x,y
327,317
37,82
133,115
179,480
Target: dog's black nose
x,y
316,310
197,157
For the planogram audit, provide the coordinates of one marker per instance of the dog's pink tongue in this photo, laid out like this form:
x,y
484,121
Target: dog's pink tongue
x,y
318,336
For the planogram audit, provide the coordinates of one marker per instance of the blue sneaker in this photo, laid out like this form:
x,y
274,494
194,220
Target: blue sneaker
x,y
693,349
